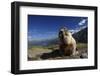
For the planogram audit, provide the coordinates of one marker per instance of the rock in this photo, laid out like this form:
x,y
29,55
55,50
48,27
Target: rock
x,y
84,55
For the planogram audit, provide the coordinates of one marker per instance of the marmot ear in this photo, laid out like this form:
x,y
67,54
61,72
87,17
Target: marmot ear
x,y
65,28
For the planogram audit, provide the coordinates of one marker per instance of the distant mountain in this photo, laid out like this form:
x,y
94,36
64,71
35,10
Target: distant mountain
x,y
82,35
43,42
78,29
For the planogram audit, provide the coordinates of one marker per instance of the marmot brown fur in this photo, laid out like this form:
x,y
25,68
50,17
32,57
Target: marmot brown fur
x,y
67,42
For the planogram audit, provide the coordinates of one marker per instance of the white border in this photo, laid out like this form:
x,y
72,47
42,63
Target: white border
x,y
26,65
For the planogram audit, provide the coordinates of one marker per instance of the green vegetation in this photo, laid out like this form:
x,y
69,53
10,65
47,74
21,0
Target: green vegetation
x,y
79,45
45,47
82,45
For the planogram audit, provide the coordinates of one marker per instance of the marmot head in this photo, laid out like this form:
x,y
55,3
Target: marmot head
x,y
64,32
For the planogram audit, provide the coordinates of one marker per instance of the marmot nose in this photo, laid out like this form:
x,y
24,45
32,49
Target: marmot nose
x,y
61,32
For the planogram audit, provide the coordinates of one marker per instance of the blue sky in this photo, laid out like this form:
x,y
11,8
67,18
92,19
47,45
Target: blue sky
x,y
47,27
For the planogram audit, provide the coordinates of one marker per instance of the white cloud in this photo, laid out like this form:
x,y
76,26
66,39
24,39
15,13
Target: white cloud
x,y
82,22
71,31
74,31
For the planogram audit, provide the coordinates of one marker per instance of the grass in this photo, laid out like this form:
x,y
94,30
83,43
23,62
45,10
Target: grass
x,y
52,47
82,45
45,47
79,45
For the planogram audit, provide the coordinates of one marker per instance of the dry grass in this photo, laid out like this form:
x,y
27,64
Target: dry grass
x,y
35,52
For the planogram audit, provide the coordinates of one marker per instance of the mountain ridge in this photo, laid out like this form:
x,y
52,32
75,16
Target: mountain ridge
x,y
80,36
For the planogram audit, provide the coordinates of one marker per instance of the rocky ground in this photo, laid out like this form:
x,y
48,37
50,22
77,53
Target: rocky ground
x,y
45,54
